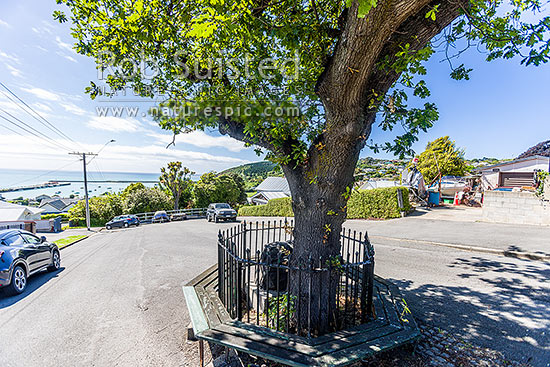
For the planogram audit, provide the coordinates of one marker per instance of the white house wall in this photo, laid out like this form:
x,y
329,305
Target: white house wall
x,y
490,178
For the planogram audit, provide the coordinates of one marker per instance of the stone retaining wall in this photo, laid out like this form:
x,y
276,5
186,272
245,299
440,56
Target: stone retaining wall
x,y
515,207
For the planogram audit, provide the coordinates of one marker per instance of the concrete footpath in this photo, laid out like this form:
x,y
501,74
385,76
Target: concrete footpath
x,y
460,228
457,227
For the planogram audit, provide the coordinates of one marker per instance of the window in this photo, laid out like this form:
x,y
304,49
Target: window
x,y
33,240
15,240
223,206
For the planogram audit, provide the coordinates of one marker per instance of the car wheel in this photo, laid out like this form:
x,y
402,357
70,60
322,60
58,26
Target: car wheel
x,y
18,281
108,226
56,261
126,225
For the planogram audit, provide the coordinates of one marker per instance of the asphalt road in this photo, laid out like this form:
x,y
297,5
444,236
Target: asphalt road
x,y
117,300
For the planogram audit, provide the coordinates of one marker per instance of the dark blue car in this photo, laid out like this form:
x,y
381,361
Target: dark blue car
x,y
23,254
122,221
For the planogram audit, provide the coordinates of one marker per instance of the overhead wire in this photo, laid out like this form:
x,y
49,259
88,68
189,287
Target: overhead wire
x,y
33,131
41,119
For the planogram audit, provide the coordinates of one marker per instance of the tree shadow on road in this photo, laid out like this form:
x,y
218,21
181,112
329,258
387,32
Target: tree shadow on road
x,y
513,317
34,283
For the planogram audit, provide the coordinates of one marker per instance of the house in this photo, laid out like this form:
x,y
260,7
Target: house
x,y
57,205
376,184
39,198
516,173
13,212
271,188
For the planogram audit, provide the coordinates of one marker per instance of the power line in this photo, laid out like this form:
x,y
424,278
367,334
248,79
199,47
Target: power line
x,y
48,124
18,133
44,137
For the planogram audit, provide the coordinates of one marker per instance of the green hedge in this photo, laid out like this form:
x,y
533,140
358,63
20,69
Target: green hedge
x,y
50,216
379,203
366,204
274,208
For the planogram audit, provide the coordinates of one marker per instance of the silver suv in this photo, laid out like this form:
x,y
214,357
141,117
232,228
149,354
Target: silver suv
x,y
220,211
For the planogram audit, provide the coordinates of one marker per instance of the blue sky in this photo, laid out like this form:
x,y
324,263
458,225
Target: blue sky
x,y
503,110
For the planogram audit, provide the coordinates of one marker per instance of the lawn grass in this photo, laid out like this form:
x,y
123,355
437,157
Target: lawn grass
x,y
64,242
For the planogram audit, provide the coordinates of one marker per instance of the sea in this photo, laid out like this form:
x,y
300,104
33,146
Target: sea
x,y
10,178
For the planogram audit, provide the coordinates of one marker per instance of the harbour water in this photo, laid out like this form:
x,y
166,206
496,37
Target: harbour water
x,y
13,178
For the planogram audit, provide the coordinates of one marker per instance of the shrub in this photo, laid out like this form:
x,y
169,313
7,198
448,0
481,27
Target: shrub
x,y
274,208
379,203
54,215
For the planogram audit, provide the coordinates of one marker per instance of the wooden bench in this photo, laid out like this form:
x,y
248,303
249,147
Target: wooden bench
x,y
393,326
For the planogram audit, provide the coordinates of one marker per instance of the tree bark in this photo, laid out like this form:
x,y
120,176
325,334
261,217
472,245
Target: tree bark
x,y
321,185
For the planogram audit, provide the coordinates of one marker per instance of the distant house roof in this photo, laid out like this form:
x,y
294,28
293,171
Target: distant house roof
x,y
279,184
14,212
375,184
531,158
52,205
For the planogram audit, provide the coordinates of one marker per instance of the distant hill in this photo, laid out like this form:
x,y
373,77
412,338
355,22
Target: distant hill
x,y
254,173
539,149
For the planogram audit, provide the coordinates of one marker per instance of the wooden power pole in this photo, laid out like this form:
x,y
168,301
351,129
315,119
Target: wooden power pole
x,y
85,185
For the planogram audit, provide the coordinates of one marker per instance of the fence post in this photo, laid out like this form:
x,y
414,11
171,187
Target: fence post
x,y
367,283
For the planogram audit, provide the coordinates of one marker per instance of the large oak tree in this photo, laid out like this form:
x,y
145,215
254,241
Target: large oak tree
x,y
344,63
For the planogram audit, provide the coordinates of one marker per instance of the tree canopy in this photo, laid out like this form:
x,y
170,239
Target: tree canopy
x,y
223,188
176,179
263,55
441,156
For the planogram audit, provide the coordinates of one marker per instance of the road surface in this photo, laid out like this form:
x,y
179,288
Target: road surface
x,y
117,300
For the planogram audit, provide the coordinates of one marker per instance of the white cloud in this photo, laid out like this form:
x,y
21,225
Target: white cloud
x,y
4,24
201,139
43,94
8,57
70,58
116,124
72,108
64,46
41,48
42,107
18,151
14,71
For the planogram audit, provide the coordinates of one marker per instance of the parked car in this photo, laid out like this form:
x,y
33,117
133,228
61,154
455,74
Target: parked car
x,y
122,221
23,254
220,211
160,217
178,216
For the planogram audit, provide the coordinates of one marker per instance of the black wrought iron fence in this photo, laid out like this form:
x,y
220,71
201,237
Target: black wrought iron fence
x,y
259,281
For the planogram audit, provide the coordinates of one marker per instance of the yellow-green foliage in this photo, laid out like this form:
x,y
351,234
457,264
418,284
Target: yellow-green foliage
x,y
379,203
367,204
274,208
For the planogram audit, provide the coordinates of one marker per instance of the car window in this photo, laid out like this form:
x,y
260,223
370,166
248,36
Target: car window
x,y
15,240
31,239
222,206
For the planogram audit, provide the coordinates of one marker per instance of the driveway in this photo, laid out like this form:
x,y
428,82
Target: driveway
x,y
117,301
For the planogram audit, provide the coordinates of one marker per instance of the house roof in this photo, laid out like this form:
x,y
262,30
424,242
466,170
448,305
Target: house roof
x,y
12,212
270,195
279,184
5,205
57,203
375,184
531,158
